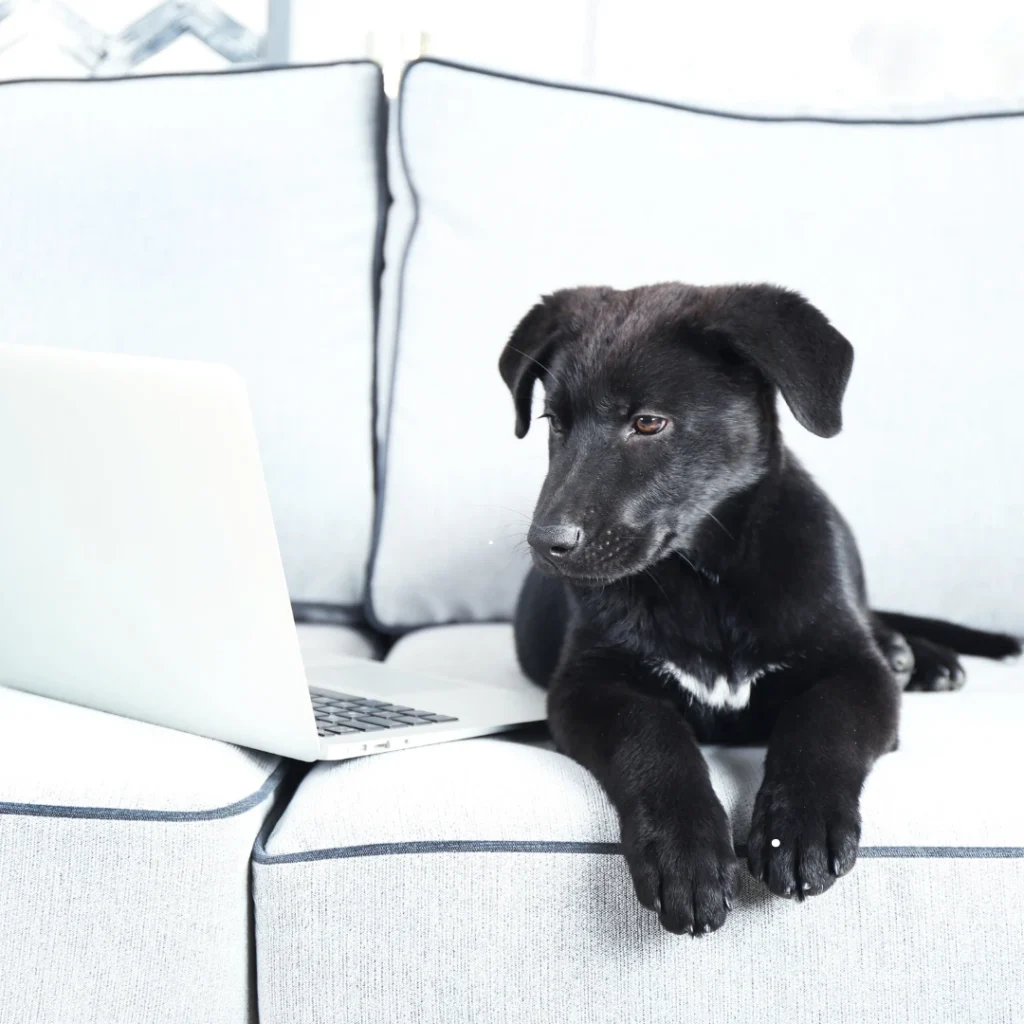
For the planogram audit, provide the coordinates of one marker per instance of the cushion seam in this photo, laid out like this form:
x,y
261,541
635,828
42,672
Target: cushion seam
x,y
731,115
260,855
212,73
127,814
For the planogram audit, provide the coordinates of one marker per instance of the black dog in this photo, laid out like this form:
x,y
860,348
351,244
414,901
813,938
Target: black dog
x,y
700,587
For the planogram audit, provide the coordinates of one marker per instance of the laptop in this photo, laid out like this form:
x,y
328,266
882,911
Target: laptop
x,y
140,572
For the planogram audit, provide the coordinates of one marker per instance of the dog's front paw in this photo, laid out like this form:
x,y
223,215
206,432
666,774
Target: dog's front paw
x,y
800,840
683,866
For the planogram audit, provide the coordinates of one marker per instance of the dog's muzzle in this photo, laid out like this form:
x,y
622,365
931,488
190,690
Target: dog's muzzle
x,y
555,543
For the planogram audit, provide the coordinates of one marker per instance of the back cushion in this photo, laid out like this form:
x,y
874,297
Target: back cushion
x,y
908,236
225,217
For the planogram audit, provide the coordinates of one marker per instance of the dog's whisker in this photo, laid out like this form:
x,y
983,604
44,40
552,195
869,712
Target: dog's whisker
x,y
686,560
657,583
511,530
708,512
505,508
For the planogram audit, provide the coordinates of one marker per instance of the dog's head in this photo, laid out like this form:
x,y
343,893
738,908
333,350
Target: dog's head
x,y
661,406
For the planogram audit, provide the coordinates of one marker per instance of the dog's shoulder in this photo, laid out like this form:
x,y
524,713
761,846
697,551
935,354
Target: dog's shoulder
x,y
801,547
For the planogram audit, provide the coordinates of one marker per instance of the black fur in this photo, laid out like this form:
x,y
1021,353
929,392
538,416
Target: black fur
x,y
976,642
706,545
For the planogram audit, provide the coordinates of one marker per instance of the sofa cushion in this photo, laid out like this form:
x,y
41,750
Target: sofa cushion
x,y
515,905
125,850
126,867
906,234
123,766
227,217
323,643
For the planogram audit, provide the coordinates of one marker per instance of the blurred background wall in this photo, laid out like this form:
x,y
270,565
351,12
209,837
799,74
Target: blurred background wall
x,y
789,54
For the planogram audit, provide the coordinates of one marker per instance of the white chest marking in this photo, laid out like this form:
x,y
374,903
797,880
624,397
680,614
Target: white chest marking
x,y
720,694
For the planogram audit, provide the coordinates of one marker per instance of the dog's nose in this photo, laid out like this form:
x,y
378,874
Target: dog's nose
x,y
555,541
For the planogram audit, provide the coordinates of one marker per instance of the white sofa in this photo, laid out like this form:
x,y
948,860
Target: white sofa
x,y
480,881
232,217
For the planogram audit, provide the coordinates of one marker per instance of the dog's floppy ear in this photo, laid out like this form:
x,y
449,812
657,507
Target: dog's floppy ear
x,y
792,344
525,356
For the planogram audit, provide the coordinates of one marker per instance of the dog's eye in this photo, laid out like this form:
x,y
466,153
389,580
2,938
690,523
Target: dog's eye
x,y
556,423
649,424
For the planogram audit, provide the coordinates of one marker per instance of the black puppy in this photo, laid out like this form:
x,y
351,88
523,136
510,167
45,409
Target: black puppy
x,y
701,587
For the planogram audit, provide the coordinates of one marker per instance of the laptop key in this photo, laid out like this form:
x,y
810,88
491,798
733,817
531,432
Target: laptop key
x,y
342,711
381,723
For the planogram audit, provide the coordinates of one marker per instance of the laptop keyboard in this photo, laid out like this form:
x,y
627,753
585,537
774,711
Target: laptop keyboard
x,y
339,714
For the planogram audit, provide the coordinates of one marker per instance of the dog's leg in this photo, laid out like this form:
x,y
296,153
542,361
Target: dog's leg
x,y
936,667
541,623
918,664
675,832
897,651
805,829
963,639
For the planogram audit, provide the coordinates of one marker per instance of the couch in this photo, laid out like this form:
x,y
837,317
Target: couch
x,y
361,262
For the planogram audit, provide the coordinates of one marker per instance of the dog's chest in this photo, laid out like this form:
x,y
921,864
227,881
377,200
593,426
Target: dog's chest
x,y
718,692
703,648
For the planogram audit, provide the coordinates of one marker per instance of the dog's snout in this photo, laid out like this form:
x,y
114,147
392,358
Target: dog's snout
x,y
556,540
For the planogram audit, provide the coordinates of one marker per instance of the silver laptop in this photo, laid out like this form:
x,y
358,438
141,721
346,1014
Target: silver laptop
x,y
140,572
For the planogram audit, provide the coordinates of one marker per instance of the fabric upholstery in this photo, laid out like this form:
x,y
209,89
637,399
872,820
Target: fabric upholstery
x,y
125,849
494,870
944,787
476,651
323,642
906,235
227,217
535,937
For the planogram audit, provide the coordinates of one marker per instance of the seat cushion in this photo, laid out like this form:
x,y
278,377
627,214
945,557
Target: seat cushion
x,y
226,217
126,867
502,857
906,234
126,849
325,642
